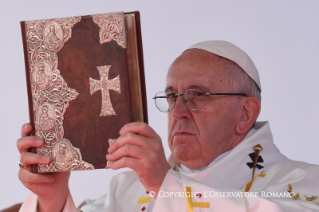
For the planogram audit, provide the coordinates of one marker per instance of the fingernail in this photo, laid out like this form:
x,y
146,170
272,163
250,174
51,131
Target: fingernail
x,y
25,126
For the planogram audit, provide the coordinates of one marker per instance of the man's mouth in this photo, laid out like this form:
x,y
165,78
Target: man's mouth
x,y
182,132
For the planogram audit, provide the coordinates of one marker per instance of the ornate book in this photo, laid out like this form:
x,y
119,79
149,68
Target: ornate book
x,y
85,80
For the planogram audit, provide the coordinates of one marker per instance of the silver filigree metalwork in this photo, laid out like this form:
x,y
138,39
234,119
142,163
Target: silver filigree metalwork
x,y
108,163
111,27
50,93
104,84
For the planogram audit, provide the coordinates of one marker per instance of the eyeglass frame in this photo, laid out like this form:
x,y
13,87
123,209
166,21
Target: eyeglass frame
x,y
182,94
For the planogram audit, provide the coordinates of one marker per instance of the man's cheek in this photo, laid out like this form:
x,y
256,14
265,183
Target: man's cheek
x,y
170,132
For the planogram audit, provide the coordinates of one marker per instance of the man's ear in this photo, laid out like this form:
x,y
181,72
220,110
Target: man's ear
x,y
248,113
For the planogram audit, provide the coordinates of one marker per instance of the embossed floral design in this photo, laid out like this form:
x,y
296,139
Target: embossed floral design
x,y
111,28
50,93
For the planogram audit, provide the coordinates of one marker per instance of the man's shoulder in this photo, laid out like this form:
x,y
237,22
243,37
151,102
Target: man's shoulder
x,y
283,176
290,165
293,172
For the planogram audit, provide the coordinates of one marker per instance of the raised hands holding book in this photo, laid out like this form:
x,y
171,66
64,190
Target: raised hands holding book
x,y
139,147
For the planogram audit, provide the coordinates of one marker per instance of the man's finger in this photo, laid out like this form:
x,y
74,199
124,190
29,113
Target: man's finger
x,y
26,129
125,162
29,158
129,138
127,150
25,143
139,128
26,177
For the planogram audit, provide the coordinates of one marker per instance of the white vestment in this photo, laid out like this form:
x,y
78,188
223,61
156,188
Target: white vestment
x,y
280,184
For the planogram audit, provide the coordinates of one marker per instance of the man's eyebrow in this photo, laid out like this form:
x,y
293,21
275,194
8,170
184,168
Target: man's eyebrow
x,y
170,88
198,87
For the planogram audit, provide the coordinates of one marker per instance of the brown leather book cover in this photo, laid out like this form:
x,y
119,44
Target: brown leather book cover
x,y
79,88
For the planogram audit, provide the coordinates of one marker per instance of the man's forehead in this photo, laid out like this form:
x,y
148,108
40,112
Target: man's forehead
x,y
205,80
198,62
199,69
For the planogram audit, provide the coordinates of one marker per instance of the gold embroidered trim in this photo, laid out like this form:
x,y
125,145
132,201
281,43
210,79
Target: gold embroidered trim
x,y
191,204
246,204
248,186
312,198
143,200
297,196
292,194
201,204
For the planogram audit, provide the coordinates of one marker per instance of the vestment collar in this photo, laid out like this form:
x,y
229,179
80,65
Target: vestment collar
x,y
236,164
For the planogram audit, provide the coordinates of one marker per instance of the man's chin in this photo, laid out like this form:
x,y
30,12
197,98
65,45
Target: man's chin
x,y
183,154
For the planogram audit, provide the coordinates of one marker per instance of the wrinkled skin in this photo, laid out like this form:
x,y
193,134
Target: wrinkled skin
x,y
140,148
197,137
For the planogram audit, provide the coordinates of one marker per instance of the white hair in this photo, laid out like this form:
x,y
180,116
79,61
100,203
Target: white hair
x,y
241,82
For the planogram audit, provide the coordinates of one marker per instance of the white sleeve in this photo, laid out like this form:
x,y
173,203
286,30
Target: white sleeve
x,y
30,204
181,193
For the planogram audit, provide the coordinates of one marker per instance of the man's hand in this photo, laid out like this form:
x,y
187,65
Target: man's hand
x,y
140,148
52,188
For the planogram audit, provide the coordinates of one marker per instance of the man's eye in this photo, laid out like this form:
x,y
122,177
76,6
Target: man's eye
x,y
197,93
170,96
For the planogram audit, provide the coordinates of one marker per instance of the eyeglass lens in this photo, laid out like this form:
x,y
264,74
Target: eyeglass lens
x,y
194,99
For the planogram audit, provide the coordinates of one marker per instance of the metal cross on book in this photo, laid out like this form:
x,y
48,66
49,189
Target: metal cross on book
x,y
104,84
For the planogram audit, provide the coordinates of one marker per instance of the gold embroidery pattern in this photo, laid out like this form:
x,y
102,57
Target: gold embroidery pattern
x,y
297,196
246,204
292,194
312,198
248,186
191,204
143,200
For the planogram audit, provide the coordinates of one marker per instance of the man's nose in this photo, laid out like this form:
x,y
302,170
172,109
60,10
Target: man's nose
x,y
180,110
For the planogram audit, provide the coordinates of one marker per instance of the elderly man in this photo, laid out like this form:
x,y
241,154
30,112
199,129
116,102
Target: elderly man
x,y
219,151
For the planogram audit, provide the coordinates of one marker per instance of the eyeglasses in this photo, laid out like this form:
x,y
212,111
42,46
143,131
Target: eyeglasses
x,y
194,99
